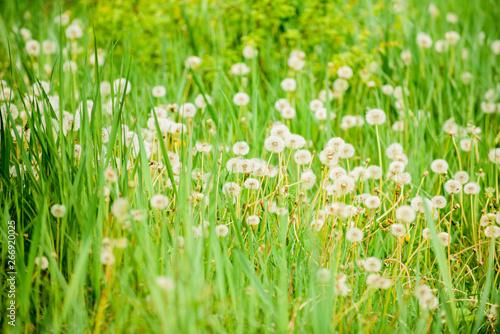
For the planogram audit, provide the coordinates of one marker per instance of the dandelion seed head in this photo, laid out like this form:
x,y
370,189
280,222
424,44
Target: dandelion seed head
x,y
438,202
372,264
42,262
398,229
165,283
253,220
439,166
492,231
274,144
375,117
354,234
58,210
452,186
289,85
323,275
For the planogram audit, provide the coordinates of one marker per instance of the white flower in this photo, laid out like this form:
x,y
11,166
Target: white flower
x,y
165,283
241,148
42,262
466,144
400,92
405,214
372,264
344,185
406,57
398,230
158,91
439,166
373,172
438,202
444,238
472,188
396,167
33,48
321,114
58,210
241,99
253,220
240,69
372,202
466,77
394,150
387,89
452,18
200,101
344,72
296,61
452,187
249,52
340,85
462,177
433,10
294,141
288,112
452,37
289,85
354,234
323,275
187,110
159,201
74,31
315,104
494,155
336,143
347,151
281,104
110,175
317,224
375,117
495,47
221,231
274,144
203,147
424,40
120,86
337,172
231,189
302,157
192,62
308,179
492,231
488,107
252,183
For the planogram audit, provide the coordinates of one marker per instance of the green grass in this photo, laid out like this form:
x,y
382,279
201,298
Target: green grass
x,y
262,278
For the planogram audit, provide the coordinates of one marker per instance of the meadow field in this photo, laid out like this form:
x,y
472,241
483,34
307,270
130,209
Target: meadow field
x,y
250,166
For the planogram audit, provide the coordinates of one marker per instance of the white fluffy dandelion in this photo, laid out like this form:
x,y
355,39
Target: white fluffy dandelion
x,y
375,117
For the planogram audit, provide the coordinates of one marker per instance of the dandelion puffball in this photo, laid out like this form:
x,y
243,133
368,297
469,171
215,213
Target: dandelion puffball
x,y
354,234
289,85
405,213
221,230
241,99
253,220
398,230
58,210
159,201
372,264
158,91
241,148
375,117
274,144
